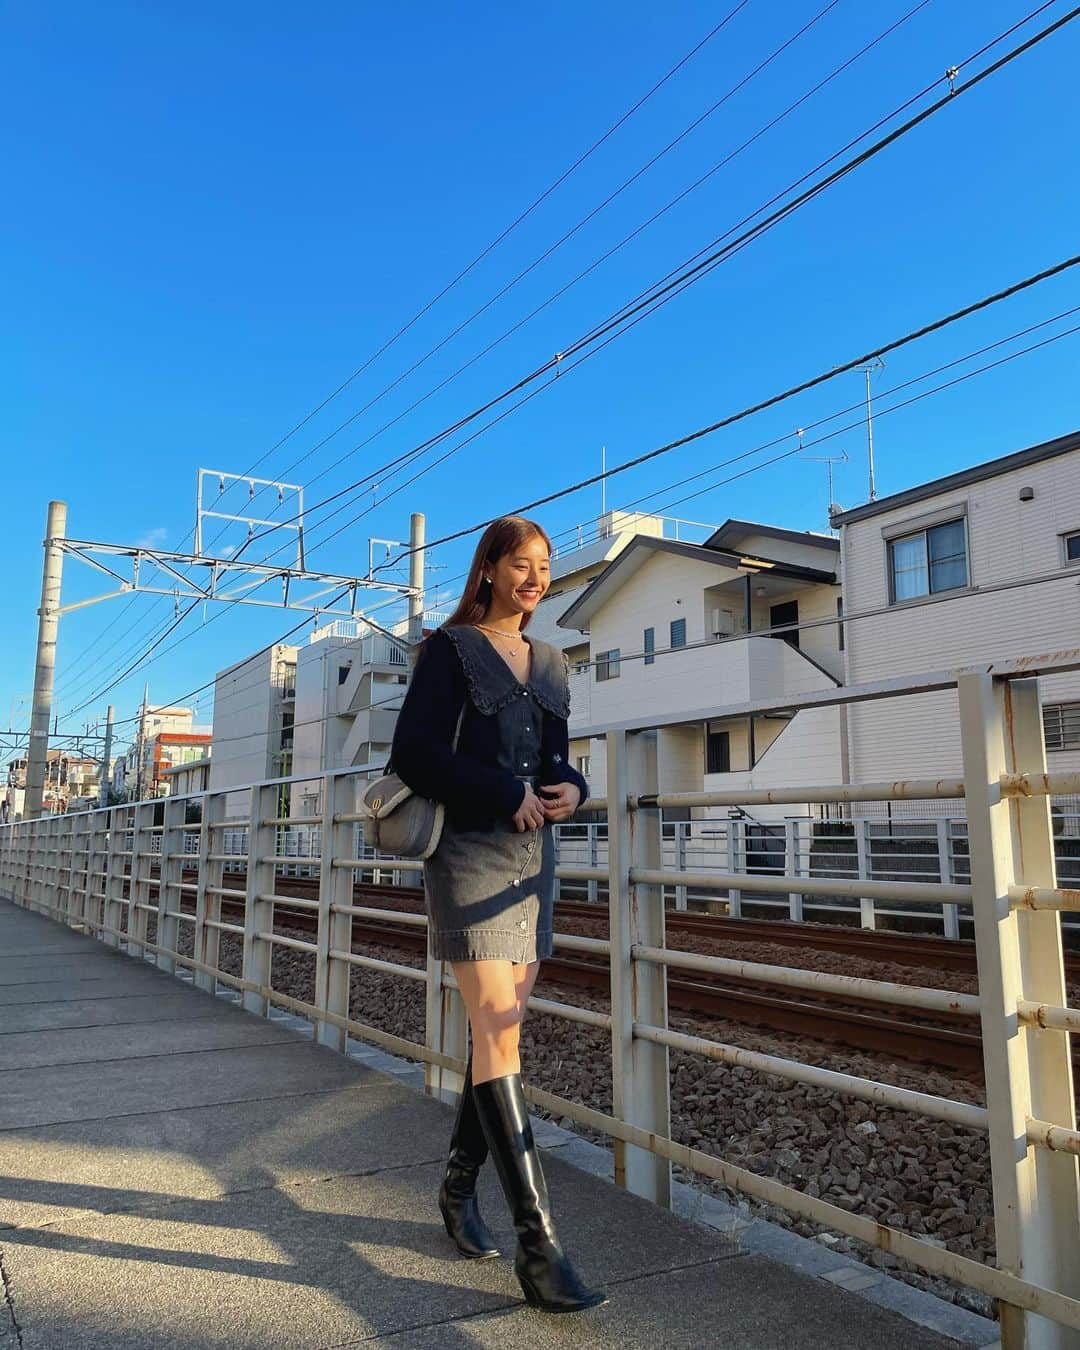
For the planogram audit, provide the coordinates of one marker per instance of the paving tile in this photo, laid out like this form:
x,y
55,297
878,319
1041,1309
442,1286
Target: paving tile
x,y
141,979
48,1096
112,1011
151,1160
89,1045
94,963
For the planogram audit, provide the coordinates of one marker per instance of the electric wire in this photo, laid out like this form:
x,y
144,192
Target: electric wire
x,y
881,412
773,400
519,220
565,237
390,467
641,309
675,282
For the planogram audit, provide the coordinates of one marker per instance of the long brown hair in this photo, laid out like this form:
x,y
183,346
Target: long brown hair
x,y
501,537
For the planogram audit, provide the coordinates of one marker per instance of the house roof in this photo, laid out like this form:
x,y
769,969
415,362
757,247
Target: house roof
x,y
637,553
1019,459
733,530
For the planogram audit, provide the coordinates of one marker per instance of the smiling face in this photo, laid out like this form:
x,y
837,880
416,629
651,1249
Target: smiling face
x,y
519,579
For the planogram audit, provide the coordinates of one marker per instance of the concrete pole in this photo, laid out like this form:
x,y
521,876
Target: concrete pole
x,y
45,666
416,576
103,793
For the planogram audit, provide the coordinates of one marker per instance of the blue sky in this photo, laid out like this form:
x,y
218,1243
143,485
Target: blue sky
x,y
216,213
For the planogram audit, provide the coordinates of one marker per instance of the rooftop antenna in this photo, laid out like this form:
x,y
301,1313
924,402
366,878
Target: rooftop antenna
x,y
603,480
828,461
873,368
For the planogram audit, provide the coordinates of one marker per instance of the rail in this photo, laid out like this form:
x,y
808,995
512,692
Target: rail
x,y
94,870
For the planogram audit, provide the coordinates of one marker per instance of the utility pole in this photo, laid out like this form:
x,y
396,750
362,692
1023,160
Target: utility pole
x,y
142,745
103,792
45,664
416,577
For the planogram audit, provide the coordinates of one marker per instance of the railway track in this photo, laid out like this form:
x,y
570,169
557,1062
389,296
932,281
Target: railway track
x,y
831,1019
936,953
821,1016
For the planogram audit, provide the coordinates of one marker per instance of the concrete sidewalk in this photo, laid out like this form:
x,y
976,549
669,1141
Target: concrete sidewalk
x,y
177,1173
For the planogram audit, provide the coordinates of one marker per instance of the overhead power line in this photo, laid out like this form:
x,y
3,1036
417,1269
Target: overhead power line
x,y
564,238
771,402
519,220
674,283
461,275
394,465
936,326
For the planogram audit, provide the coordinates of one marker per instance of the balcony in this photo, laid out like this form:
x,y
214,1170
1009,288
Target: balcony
x,y
688,678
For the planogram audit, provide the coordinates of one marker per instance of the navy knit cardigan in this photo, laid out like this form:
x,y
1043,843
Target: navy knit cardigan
x,y
459,668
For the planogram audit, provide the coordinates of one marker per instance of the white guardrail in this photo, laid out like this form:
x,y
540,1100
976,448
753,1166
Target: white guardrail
x,y
96,870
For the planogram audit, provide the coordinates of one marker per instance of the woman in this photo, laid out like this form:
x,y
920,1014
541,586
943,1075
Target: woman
x,y
483,729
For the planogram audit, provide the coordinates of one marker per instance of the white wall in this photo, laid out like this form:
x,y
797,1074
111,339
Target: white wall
x,y
810,553
319,732
1007,539
242,701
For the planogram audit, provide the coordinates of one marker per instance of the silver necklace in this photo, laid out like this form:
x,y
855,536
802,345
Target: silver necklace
x,y
499,632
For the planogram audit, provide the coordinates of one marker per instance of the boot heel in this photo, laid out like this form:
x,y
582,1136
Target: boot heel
x,y
592,1298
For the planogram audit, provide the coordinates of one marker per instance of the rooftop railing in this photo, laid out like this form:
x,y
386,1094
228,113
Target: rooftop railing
x,y
106,872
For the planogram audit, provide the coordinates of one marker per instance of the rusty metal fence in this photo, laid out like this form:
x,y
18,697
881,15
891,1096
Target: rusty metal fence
x,y
150,877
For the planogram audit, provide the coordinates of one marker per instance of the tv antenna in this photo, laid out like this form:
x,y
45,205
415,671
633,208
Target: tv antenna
x,y
874,368
828,461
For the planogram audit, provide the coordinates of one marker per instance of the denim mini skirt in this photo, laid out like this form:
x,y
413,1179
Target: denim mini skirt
x,y
490,894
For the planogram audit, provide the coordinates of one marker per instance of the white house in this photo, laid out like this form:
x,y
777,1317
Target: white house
x,y
980,565
673,628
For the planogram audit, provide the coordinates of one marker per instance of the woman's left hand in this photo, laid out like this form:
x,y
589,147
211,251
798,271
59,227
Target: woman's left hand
x,y
560,801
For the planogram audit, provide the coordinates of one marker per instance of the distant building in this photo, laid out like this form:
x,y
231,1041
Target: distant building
x,y
189,777
165,737
254,710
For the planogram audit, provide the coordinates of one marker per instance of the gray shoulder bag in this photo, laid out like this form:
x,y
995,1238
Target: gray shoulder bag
x,y
397,820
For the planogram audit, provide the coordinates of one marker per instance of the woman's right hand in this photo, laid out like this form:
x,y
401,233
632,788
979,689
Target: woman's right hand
x,y
530,814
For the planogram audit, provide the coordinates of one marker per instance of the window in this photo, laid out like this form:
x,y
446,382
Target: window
x,y
607,664
678,632
343,673
649,646
787,612
583,764
1061,726
928,562
717,752
1071,543
840,626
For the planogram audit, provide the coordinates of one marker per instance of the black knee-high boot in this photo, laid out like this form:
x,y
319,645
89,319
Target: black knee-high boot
x,y
457,1194
548,1279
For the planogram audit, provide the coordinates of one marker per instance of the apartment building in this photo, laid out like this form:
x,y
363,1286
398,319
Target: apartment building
x,y
977,566
670,628
254,711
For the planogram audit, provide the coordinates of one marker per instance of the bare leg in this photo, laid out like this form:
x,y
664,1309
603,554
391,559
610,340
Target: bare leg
x,y
490,991
524,979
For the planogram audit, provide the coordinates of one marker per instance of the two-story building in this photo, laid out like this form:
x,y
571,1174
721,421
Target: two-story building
x,y
980,565
674,629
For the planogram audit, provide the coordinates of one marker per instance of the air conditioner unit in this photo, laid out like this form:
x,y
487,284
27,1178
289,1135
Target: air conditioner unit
x,y
722,623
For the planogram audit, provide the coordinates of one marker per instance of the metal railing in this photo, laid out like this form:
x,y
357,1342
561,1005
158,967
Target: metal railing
x,y
96,870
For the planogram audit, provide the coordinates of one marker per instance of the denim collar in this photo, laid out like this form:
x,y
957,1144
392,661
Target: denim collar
x,y
491,682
